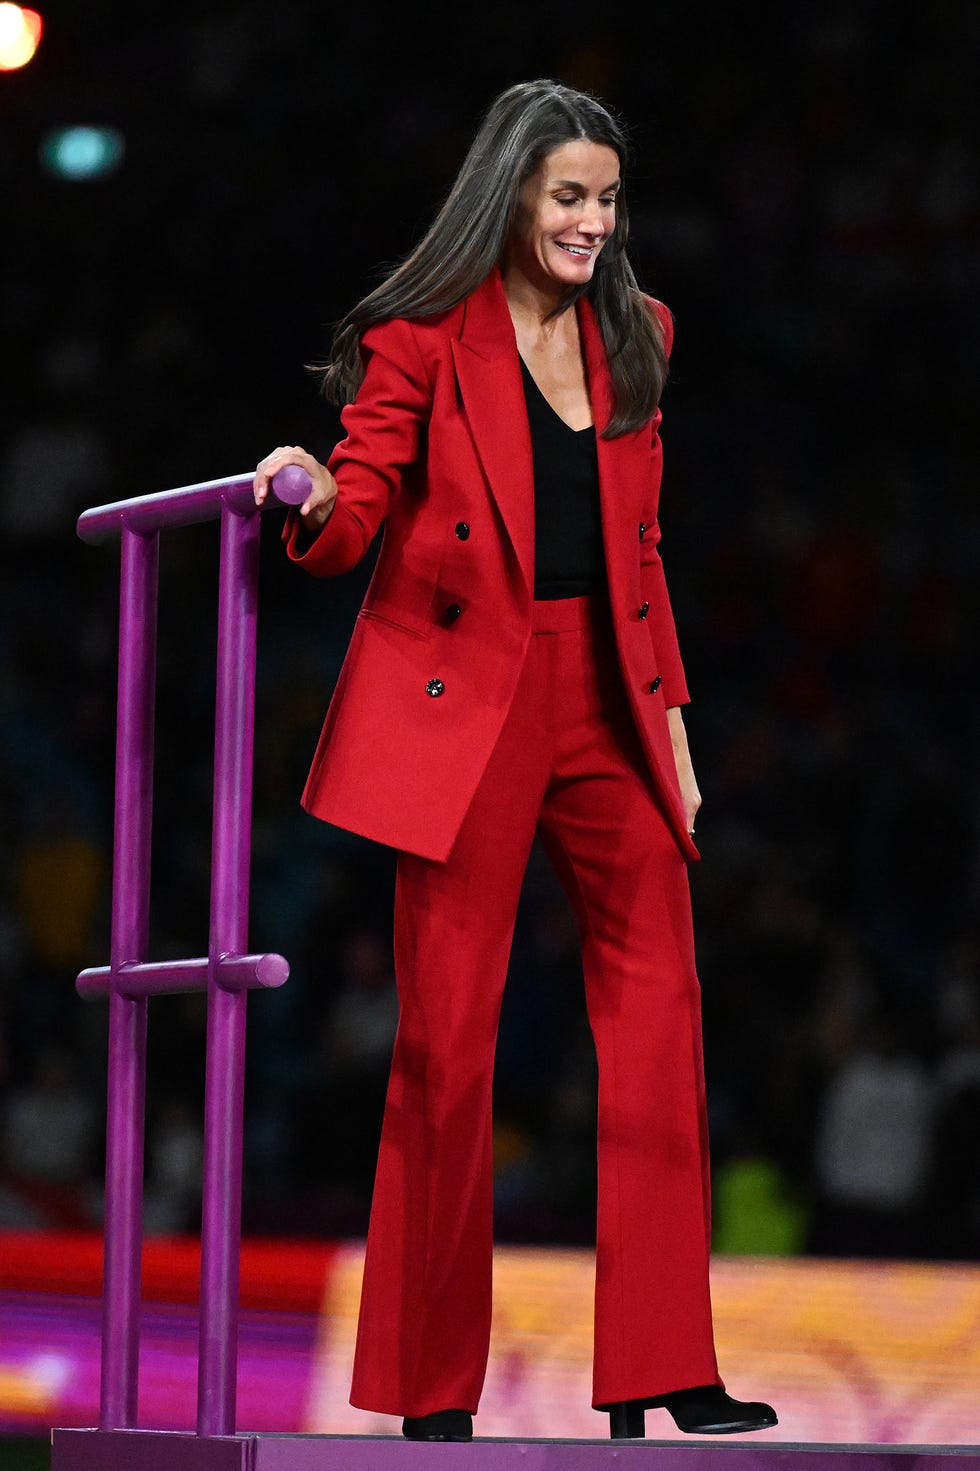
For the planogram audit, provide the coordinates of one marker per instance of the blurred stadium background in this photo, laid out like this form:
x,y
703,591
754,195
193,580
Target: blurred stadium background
x,y
192,195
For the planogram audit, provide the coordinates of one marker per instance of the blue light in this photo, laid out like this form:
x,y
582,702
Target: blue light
x,y
83,152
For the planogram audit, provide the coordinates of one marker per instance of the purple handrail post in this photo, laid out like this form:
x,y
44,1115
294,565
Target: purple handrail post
x,y
225,1066
227,973
126,1099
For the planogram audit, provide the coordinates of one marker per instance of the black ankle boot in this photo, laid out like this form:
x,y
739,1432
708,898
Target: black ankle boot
x,y
440,1425
707,1410
626,1420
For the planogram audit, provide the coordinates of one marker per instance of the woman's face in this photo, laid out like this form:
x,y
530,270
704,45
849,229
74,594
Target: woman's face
x,y
566,213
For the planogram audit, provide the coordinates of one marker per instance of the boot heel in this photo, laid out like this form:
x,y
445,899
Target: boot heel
x,y
627,1421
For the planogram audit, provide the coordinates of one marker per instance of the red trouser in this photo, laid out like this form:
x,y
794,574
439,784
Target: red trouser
x,y
568,764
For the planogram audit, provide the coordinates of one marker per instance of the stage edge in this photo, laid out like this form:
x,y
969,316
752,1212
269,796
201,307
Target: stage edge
x,y
157,1450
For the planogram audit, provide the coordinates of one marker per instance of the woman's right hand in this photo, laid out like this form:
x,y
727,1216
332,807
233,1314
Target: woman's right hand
x,y
315,510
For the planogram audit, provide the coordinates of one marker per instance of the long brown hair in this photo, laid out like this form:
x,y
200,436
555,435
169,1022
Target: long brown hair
x,y
466,239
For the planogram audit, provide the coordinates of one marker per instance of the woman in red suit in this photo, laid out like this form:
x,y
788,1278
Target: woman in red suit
x,y
514,669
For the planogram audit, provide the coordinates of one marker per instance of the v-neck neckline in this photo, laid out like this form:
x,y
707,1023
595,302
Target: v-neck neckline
x,y
526,372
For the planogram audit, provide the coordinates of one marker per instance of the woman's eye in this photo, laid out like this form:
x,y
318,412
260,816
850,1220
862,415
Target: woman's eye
x,y
570,199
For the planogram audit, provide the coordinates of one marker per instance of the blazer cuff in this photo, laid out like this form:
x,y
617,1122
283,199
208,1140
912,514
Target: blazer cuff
x,y
675,689
335,549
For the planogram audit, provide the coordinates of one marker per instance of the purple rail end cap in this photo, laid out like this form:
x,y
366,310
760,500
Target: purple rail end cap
x,y
291,485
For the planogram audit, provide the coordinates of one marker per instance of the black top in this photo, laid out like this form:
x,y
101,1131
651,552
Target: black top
x,y
568,557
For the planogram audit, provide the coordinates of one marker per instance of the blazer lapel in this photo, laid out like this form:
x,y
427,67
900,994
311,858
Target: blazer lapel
x,y
624,470
624,463
488,372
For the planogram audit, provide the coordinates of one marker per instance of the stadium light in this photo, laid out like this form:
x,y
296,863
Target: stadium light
x,y
20,32
82,152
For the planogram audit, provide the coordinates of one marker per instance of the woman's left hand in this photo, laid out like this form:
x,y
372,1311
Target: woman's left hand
x,y
690,796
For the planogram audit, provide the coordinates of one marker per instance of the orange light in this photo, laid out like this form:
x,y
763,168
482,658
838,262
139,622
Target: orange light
x,y
20,32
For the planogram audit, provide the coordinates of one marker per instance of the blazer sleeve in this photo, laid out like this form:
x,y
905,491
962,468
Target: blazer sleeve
x,y
653,581
384,426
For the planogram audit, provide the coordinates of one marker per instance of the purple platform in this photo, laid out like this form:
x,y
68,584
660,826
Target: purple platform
x,y
136,1450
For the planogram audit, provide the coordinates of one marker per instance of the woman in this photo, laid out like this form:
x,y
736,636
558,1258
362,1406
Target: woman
x,y
514,668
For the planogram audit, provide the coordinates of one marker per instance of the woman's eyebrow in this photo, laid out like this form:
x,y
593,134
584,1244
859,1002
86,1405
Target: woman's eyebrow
x,y
575,184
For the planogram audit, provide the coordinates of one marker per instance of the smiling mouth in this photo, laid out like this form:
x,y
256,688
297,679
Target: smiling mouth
x,y
581,251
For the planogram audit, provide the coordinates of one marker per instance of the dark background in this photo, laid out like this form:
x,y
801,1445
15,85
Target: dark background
x,y
805,198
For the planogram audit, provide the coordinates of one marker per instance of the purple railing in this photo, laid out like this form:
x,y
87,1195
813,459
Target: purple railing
x,y
228,971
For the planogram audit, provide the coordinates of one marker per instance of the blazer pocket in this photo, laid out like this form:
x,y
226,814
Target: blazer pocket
x,y
376,615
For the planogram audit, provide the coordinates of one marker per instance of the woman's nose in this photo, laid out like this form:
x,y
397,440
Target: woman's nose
x,y
590,221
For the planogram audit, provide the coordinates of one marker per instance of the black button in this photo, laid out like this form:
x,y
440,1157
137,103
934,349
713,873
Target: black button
x,y
434,687
643,610
452,612
655,685
643,527
462,530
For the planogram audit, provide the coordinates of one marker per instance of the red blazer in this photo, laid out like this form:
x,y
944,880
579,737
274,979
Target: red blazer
x,y
438,448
